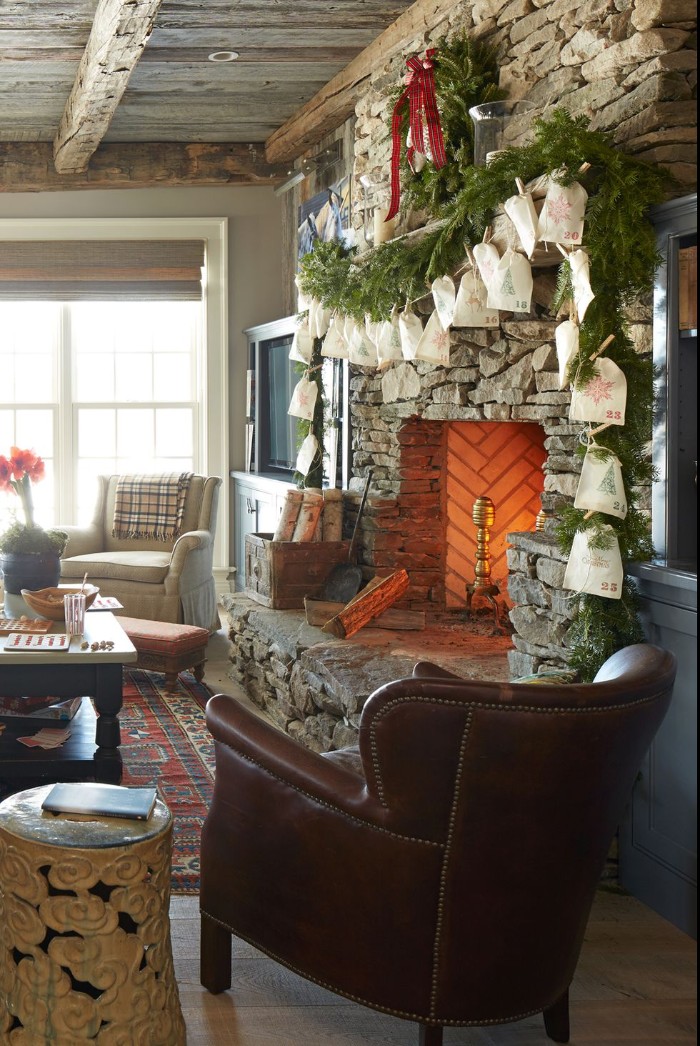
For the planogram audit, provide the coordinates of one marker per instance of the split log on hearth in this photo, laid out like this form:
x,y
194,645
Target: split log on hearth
x,y
376,597
320,611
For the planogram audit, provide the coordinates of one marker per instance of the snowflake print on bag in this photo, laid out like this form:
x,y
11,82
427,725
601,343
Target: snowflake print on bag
x,y
598,389
559,209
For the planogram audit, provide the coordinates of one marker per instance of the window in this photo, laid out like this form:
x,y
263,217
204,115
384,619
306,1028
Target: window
x,y
171,252
97,387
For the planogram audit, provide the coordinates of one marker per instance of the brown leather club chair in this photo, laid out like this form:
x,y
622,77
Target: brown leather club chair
x,y
448,877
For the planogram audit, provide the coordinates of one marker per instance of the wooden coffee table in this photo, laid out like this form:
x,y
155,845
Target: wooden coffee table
x,y
92,751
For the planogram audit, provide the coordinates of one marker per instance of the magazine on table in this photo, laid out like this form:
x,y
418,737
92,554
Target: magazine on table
x,y
102,800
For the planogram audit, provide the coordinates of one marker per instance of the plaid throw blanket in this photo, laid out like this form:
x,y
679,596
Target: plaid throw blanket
x,y
150,506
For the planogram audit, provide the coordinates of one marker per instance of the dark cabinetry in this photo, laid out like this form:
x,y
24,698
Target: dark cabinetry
x,y
658,840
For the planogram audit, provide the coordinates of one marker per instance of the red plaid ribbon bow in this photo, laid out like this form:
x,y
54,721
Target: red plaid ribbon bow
x,y
420,93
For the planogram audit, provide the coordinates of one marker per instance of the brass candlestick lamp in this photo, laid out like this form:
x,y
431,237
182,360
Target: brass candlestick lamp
x,y
484,516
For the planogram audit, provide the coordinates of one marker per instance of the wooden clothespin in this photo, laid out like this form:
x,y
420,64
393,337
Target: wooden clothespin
x,y
487,234
603,347
584,167
521,186
591,512
470,256
563,251
605,425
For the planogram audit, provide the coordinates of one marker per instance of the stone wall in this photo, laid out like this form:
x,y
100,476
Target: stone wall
x,y
628,65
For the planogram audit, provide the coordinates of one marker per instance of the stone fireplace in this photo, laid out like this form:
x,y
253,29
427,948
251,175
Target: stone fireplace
x,y
493,422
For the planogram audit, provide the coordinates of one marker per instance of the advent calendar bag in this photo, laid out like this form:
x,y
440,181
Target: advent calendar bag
x,y
471,309
302,344
563,212
389,341
603,398
600,487
411,332
434,345
308,453
511,286
334,344
444,295
319,318
566,337
581,281
361,351
303,399
521,211
594,570
487,258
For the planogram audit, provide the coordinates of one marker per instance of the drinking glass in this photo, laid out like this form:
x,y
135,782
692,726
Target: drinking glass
x,y
74,608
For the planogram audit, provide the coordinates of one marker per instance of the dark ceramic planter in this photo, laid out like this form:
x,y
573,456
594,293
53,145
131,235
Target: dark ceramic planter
x,y
32,570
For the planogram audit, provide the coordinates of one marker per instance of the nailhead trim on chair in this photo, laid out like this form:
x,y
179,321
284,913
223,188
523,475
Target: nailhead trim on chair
x,y
391,706
444,1022
331,806
445,863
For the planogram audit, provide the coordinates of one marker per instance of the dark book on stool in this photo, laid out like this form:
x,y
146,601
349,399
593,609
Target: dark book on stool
x,y
102,800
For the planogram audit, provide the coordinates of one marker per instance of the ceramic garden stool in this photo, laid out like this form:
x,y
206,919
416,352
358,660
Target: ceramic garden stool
x,y
85,950
166,647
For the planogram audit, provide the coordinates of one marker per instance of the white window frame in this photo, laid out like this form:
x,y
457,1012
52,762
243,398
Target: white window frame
x,y
213,434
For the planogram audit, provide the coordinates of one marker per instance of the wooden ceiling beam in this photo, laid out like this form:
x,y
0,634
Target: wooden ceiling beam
x,y
335,102
120,31
28,167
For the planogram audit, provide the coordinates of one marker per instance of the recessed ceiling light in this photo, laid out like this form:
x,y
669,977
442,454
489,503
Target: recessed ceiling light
x,y
223,56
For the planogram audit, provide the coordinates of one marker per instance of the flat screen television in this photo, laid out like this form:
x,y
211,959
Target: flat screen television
x,y
273,431
277,430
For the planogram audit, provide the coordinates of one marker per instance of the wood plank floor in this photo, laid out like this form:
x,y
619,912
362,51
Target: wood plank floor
x,y
635,984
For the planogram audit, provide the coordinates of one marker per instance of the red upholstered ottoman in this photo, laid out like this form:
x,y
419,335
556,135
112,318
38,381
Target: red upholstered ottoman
x,y
165,647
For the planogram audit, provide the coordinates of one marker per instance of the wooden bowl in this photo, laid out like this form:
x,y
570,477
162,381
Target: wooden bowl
x,y
48,602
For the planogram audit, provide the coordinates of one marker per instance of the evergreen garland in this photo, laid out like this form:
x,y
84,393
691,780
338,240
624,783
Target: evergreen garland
x,y
621,245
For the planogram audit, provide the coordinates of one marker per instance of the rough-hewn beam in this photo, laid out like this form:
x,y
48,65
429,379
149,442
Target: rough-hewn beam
x,y
28,167
120,31
332,105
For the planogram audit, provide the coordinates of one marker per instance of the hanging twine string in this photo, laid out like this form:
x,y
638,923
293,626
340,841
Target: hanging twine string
x,y
420,95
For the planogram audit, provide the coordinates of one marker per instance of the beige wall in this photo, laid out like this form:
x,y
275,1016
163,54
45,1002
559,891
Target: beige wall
x,y
254,261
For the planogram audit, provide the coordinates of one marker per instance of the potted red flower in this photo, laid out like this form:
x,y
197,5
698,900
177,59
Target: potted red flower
x,y
30,556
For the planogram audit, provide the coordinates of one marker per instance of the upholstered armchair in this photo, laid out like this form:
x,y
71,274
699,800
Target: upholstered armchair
x,y
443,872
162,580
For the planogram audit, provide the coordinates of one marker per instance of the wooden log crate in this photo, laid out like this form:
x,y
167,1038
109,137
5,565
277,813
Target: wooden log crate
x,y
278,574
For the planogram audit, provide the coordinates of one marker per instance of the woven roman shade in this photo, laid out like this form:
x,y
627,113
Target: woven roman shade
x,y
101,270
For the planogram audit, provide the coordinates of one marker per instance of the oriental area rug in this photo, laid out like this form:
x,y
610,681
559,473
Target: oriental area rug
x,y
165,743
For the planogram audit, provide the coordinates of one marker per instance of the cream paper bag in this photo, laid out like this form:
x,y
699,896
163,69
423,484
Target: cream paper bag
x,y
566,337
389,341
361,351
581,281
411,332
303,399
594,570
308,453
372,329
334,344
444,296
562,215
302,344
471,309
487,258
601,488
511,286
434,345
603,398
319,318
521,211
